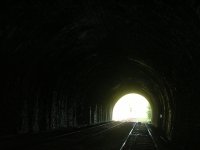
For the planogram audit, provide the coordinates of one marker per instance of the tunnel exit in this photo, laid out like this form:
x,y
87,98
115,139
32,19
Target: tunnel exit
x,y
132,107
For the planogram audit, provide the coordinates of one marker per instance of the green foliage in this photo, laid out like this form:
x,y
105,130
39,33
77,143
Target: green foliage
x,y
149,113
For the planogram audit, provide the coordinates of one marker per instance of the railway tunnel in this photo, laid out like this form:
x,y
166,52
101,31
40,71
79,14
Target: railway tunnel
x,y
69,62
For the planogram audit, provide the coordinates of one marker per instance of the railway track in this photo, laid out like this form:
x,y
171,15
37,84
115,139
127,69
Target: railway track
x,y
96,137
139,138
83,139
72,138
90,132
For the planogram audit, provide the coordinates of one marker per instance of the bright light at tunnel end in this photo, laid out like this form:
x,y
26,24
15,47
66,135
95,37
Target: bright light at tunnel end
x,y
132,107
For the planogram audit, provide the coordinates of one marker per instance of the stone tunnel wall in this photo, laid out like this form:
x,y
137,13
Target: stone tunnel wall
x,y
41,113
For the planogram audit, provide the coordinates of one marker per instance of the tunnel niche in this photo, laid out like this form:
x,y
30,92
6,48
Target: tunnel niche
x,y
132,107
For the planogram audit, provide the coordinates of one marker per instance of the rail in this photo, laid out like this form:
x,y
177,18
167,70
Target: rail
x,y
139,137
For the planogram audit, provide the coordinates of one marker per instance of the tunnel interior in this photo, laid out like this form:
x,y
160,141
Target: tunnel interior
x,y
69,62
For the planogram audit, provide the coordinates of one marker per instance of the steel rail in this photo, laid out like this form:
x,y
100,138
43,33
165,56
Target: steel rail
x,y
127,137
98,133
154,142
88,129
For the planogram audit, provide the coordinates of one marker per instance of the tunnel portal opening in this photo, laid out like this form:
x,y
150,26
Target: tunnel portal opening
x,y
132,107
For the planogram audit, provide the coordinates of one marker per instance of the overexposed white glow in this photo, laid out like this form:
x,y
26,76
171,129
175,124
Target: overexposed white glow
x,y
131,107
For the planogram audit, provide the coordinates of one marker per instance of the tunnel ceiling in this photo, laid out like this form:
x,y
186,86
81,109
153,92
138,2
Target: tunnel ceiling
x,y
97,43
98,51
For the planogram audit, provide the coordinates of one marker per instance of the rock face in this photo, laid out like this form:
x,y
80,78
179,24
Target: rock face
x,y
69,62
